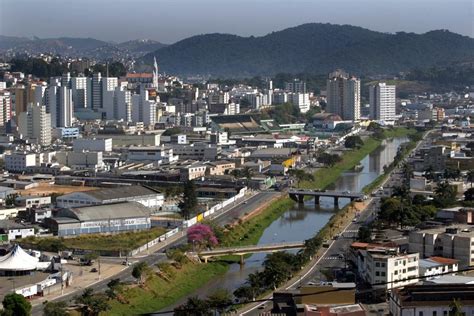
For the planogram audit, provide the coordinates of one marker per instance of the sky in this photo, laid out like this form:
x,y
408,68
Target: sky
x,y
169,21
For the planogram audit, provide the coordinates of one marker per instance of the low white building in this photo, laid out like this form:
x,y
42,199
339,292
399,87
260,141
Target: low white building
x,y
145,196
32,200
435,266
153,153
84,144
15,230
387,268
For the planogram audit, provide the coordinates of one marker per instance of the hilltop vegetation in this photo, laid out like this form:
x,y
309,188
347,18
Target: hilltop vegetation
x,y
313,48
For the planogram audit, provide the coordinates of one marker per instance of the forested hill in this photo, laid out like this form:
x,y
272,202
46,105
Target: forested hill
x,y
313,48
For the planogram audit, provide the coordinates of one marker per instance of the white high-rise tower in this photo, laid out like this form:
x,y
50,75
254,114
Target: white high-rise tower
x,y
155,73
382,102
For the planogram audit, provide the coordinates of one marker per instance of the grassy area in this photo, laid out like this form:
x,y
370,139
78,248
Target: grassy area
x,y
95,242
250,231
399,132
159,293
326,176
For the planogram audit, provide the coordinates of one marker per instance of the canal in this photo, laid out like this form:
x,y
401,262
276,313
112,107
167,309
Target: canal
x,y
303,222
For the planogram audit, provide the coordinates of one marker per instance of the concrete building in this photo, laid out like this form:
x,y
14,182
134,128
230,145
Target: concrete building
x,y
122,104
343,95
433,266
5,108
193,171
29,201
143,109
60,105
387,268
220,167
35,125
296,86
14,230
147,197
382,99
301,100
94,144
197,151
153,153
91,160
431,300
218,97
117,217
455,242
126,140
80,87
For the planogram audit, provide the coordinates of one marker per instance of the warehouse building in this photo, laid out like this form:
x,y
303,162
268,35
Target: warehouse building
x,y
116,217
145,196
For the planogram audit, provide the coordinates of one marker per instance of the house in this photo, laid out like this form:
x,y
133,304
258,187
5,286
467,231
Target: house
x,y
29,201
437,265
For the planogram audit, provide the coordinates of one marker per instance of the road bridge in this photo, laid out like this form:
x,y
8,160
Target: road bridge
x,y
243,250
298,195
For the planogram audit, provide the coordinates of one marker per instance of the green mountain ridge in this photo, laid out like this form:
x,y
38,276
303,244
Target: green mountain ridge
x,y
314,48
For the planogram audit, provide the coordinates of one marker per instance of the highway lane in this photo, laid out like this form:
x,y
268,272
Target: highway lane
x,y
229,215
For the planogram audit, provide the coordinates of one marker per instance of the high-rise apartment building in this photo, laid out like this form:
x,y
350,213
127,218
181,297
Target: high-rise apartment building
x,y
5,107
80,91
35,125
59,104
296,86
343,95
382,102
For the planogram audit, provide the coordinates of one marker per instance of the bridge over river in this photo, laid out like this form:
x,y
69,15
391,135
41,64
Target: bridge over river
x,y
298,195
243,250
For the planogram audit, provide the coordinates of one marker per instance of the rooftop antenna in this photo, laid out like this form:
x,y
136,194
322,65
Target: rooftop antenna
x,y
107,66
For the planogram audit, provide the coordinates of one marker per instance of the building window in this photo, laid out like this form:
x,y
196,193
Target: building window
x,y
420,314
434,313
377,264
377,273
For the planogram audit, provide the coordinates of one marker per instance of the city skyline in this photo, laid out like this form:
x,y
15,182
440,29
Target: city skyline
x,y
155,19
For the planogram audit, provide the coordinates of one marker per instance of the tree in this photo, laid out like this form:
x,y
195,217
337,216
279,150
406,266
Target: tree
x,y
140,271
329,159
353,142
114,286
418,199
188,204
278,268
15,305
469,195
364,234
300,175
445,194
245,293
202,235
450,173
194,306
55,309
92,304
220,300
455,308
247,172
470,176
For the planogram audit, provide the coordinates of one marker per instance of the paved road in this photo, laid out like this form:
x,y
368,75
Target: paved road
x,y
231,213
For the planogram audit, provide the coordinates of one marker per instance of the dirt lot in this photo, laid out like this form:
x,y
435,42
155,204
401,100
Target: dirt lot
x,y
48,189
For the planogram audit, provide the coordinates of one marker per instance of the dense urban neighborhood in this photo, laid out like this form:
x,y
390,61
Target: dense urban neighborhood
x,y
128,190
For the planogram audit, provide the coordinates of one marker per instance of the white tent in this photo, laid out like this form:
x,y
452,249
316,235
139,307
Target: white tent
x,y
18,260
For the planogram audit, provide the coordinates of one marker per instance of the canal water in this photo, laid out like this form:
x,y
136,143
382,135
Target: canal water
x,y
303,222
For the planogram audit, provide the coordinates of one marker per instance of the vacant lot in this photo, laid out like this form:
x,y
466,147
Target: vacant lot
x,y
48,189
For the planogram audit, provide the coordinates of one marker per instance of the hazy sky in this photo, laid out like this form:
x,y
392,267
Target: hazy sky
x,y
171,20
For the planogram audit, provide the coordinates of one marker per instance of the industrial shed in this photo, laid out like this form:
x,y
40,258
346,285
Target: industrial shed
x,y
145,196
116,217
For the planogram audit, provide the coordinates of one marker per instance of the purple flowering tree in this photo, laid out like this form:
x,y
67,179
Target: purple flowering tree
x,y
201,235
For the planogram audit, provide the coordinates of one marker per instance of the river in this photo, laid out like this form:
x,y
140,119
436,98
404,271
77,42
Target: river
x,y
303,222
